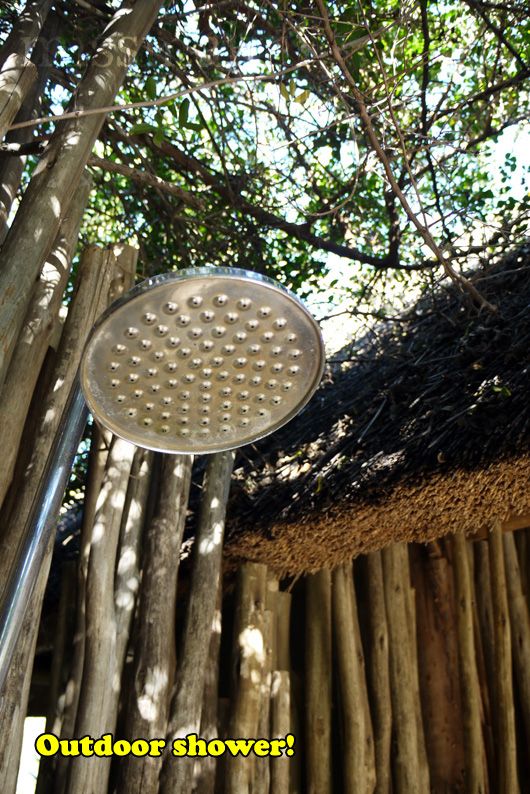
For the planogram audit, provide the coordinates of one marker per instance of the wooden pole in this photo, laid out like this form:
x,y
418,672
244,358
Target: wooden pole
x,y
409,775
436,615
186,706
520,628
11,168
484,612
25,31
318,683
379,673
92,288
148,699
206,768
280,727
16,79
98,696
99,450
36,334
128,575
475,767
249,662
410,593
56,178
262,774
507,782
358,745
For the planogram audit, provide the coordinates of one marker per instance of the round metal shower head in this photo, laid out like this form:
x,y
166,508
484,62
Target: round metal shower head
x,y
202,360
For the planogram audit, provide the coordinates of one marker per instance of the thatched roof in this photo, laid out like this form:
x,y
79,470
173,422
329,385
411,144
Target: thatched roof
x,y
424,430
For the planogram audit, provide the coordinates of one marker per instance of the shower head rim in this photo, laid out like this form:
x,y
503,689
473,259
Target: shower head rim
x,y
185,275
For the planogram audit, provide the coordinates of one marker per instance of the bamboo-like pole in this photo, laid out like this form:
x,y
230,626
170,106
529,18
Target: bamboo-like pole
x,y
475,767
56,178
520,628
17,76
318,684
186,706
11,168
99,688
408,772
410,592
379,673
35,336
249,662
358,745
507,782
436,615
484,612
99,449
92,288
25,31
262,776
128,575
97,626
206,768
154,639
282,661
280,726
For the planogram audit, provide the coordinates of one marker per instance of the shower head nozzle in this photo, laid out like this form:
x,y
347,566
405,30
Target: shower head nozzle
x,y
201,360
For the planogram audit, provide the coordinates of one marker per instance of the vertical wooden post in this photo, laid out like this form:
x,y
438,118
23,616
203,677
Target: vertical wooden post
x,y
186,706
432,576
520,628
206,768
249,662
476,771
484,612
98,697
262,777
379,673
507,782
409,774
148,699
92,289
280,723
318,683
35,335
53,183
358,746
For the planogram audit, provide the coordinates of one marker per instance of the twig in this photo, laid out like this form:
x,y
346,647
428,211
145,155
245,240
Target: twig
x,y
379,150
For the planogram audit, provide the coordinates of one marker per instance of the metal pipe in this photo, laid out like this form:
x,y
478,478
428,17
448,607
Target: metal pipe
x,y
39,527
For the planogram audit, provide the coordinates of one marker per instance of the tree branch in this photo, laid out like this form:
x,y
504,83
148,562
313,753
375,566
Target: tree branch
x,y
143,178
374,141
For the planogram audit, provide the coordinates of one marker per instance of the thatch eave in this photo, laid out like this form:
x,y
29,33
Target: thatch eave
x,y
426,433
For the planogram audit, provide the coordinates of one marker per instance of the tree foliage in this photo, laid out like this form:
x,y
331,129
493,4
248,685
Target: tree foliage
x,y
263,159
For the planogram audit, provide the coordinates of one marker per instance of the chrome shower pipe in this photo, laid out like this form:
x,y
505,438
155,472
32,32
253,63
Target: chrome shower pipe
x,y
39,528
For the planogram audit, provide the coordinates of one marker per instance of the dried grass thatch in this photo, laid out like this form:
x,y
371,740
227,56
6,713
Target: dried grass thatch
x,y
422,431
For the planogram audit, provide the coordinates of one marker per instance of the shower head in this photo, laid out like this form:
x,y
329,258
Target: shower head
x,y
202,360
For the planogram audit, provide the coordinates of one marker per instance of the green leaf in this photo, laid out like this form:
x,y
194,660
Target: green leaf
x,y
183,112
303,97
284,92
142,129
150,88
